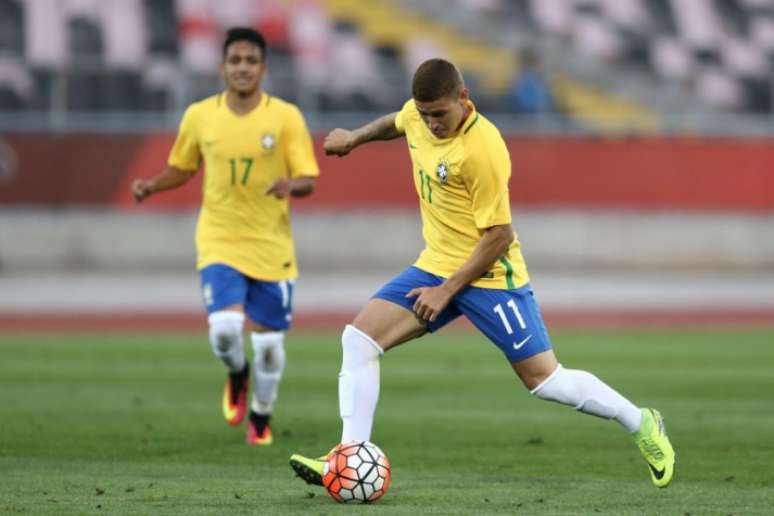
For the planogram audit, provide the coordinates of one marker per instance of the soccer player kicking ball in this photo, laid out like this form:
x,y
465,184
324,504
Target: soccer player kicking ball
x,y
471,265
257,153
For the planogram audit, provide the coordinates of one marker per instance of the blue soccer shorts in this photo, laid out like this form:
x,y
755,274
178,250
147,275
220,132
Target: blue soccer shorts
x,y
268,303
509,318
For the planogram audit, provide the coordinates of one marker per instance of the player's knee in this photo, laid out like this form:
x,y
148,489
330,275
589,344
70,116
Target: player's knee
x,y
269,351
274,361
358,348
225,330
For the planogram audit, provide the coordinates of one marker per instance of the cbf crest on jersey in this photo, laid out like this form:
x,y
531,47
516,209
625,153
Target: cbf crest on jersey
x,y
442,171
268,142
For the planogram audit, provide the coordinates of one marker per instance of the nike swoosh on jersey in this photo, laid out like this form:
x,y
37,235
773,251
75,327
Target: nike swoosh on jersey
x,y
658,473
520,344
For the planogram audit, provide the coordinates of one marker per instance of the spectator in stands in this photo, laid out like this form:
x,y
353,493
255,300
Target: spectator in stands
x,y
531,93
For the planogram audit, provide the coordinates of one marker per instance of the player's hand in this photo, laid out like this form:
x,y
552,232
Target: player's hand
x,y
279,188
339,142
141,189
430,302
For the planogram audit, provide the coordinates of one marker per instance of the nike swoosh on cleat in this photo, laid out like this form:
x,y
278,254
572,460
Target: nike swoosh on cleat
x,y
520,344
658,473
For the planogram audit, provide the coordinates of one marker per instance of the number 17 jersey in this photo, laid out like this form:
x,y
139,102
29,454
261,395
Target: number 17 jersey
x,y
239,224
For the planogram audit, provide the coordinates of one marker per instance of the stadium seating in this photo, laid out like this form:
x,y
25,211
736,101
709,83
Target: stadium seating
x,y
157,55
722,50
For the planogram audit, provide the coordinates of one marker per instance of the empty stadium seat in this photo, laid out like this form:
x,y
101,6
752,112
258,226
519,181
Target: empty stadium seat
x,y
129,54
11,27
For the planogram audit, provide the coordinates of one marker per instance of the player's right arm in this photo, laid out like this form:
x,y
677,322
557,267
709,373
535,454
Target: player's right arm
x,y
171,177
184,159
340,142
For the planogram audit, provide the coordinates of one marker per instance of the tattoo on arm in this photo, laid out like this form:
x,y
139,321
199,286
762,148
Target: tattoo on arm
x,y
380,129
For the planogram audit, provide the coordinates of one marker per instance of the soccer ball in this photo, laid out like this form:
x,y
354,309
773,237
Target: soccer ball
x,y
356,472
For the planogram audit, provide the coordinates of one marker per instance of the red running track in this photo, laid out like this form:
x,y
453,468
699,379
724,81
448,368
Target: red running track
x,y
172,322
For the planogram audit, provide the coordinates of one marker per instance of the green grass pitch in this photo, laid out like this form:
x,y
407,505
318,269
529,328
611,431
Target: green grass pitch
x,y
117,424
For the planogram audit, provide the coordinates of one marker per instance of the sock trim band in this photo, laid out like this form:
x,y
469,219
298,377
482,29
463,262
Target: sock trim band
x,y
365,336
547,380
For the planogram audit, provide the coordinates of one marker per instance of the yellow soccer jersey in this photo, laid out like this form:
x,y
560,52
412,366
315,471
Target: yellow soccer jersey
x,y
462,183
239,225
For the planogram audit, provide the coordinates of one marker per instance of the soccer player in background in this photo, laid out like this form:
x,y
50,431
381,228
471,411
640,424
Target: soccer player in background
x,y
257,153
472,265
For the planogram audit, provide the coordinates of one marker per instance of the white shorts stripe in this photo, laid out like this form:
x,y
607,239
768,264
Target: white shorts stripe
x,y
283,285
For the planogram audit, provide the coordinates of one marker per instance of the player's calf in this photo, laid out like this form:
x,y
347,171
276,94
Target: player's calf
x,y
588,394
226,340
269,363
358,384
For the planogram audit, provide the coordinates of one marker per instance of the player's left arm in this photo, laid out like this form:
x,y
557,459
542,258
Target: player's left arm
x,y
302,165
431,301
486,171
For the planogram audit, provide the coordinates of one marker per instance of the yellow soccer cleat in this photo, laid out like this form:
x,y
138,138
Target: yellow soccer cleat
x,y
655,447
310,470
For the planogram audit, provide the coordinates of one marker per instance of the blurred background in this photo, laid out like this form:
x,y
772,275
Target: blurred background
x,y
640,133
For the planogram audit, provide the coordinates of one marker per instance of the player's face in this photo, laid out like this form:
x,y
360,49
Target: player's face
x,y
243,67
444,116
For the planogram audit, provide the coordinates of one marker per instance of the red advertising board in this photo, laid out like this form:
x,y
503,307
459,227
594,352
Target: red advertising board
x,y
552,172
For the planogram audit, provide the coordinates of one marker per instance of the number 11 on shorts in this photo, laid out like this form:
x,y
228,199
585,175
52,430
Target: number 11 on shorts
x,y
499,311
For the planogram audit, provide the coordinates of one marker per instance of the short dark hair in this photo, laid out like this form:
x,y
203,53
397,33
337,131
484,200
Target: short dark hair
x,y
245,34
435,79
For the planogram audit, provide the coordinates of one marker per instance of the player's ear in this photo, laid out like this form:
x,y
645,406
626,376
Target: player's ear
x,y
464,95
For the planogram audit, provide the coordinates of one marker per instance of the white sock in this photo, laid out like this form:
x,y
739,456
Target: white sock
x,y
226,338
358,384
589,394
269,362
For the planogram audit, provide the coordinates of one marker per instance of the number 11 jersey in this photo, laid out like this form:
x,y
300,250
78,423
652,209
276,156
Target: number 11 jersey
x,y
462,184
